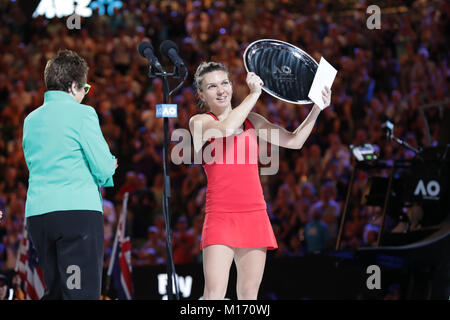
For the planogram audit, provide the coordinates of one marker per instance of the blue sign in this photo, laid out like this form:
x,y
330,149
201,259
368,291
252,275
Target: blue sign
x,y
109,5
166,111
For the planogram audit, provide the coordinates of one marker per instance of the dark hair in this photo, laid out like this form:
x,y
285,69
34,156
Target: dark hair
x,y
202,69
64,69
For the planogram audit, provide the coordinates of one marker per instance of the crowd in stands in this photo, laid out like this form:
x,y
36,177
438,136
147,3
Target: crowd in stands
x,y
382,73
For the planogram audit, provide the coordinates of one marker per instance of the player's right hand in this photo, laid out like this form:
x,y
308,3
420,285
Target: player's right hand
x,y
254,83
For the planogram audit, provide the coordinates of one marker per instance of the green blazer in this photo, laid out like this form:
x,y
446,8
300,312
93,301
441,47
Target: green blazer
x,y
67,156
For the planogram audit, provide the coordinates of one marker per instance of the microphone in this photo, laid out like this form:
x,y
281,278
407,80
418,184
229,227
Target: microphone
x,y
169,49
145,49
388,128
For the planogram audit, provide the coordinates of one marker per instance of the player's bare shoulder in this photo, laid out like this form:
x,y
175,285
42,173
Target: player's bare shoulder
x,y
198,120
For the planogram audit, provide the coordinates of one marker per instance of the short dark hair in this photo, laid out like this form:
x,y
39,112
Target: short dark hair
x,y
65,68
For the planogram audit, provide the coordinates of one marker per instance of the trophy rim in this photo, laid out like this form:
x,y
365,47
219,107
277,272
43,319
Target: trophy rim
x,y
292,48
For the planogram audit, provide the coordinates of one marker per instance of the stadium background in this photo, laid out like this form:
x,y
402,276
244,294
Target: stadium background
x,y
383,73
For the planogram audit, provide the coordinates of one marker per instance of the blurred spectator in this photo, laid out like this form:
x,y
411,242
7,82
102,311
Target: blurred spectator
x,y
129,185
109,217
316,234
153,250
295,244
183,242
414,214
336,154
17,286
329,208
394,292
158,190
353,229
372,228
196,231
282,250
143,208
4,287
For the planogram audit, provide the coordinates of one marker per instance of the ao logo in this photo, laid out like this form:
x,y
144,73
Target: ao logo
x,y
432,189
283,73
283,69
170,111
166,110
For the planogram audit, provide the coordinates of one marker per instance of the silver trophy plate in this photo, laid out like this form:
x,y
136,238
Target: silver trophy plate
x,y
287,71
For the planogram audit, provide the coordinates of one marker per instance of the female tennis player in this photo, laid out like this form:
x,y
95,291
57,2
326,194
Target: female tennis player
x,y
236,225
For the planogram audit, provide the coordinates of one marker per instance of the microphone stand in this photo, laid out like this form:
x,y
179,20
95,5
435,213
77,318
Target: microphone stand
x,y
171,274
388,128
402,143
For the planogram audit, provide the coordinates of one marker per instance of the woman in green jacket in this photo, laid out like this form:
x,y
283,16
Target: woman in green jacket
x,y
68,161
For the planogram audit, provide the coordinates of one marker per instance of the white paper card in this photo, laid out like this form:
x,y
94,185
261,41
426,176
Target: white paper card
x,y
325,75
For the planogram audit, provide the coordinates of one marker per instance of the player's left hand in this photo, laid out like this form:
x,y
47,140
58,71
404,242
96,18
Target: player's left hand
x,y
326,96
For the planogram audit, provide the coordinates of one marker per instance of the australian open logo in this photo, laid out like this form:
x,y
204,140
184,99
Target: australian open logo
x,y
283,73
429,191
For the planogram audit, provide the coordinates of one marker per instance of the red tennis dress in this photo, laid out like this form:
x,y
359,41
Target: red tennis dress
x,y
235,209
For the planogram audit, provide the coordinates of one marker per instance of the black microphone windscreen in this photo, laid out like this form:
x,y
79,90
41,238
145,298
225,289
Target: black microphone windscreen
x,y
144,45
165,46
